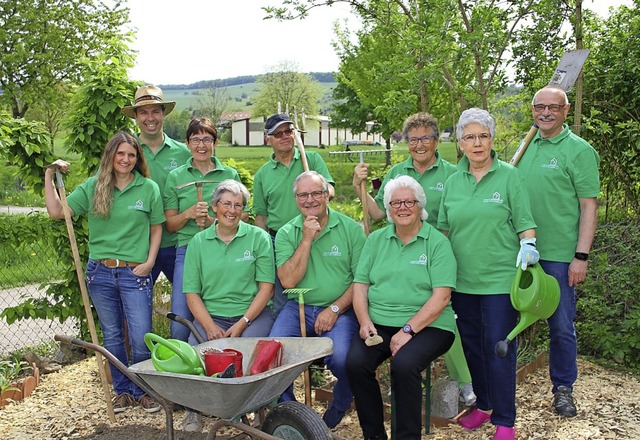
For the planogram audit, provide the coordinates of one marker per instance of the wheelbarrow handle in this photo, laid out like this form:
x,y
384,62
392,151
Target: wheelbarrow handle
x,y
179,319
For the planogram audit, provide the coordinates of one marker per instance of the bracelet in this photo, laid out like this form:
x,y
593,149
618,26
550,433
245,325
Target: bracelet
x,y
582,256
247,320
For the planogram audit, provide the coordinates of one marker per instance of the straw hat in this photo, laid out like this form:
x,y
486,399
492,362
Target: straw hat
x,y
148,95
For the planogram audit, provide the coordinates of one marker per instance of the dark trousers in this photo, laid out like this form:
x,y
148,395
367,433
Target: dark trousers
x,y
406,369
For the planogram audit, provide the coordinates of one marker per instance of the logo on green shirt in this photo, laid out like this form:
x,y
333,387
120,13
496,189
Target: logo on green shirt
x,y
247,257
335,252
172,166
422,261
553,164
139,205
496,198
439,187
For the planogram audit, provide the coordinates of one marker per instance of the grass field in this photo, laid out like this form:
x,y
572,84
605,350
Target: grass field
x,y
241,96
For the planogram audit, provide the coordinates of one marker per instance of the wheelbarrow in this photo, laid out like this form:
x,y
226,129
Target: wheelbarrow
x,y
231,399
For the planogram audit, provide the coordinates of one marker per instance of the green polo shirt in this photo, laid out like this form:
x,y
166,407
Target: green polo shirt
x,y
558,172
125,233
431,181
483,220
333,260
184,198
401,277
273,187
227,277
169,156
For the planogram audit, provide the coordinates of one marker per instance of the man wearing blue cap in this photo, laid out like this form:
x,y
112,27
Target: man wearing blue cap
x,y
273,202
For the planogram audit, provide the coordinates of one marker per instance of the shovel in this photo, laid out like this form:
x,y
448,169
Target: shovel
x,y
303,332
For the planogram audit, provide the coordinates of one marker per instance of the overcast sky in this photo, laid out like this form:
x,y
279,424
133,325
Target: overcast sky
x,y
181,42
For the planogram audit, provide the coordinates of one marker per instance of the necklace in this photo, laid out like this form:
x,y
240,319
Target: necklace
x,y
226,240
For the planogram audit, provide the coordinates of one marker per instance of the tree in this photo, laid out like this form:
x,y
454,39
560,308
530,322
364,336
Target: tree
x,y
212,103
287,87
43,42
95,114
52,111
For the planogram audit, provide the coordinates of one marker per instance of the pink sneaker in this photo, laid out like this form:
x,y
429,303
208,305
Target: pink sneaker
x,y
474,420
504,433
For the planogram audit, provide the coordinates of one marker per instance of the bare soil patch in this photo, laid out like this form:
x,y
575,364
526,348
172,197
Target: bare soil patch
x,y
69,405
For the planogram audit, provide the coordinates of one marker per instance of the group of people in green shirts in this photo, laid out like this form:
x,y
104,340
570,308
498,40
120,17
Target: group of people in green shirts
x,y
454,233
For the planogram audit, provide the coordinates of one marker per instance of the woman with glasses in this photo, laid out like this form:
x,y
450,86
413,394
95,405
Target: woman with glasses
x,y
229,270
401,292
486,214
431,171
424,164
186,192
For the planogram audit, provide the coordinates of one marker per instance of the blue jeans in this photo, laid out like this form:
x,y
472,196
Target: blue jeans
x,y
118,294
563,344
288,324
165,261
179,299
483,320
259,328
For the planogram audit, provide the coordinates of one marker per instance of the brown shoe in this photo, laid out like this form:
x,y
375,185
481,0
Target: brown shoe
x,y
148,404
123,401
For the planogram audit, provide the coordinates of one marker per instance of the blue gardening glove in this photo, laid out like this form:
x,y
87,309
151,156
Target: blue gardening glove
x,y
528,254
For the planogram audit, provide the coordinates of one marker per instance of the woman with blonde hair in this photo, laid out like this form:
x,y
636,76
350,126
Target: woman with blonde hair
x,y
125,214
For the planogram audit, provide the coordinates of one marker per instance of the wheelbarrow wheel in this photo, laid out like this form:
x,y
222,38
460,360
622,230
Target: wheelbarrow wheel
x,y
295,421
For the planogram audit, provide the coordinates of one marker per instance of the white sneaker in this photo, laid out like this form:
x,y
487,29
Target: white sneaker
x,y
192,422
467,395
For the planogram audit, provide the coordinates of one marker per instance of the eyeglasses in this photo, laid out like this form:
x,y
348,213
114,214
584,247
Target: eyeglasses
x,y
482,137
426,140
552,107
197,141
234,206
315,195
396,204
279,134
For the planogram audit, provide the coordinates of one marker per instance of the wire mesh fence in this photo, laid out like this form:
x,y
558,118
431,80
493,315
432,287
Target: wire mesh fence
x,y
25,270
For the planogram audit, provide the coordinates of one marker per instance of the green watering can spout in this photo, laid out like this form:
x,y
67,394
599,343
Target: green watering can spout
x,y
173,355
535,295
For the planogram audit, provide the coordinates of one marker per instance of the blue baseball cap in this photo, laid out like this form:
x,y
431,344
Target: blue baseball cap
x,y
275,121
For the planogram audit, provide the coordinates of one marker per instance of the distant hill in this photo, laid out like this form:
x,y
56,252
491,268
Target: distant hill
x,y
322,77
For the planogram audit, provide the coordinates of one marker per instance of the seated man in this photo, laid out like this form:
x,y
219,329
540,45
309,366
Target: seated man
x,y
319,250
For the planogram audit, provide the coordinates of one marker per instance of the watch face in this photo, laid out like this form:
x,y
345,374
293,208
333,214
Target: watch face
x,y
406,328
335,308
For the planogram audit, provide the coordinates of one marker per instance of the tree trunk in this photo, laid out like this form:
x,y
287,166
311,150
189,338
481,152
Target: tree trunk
x,y
577,29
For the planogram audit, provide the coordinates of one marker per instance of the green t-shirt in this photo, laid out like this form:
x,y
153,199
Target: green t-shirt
x,y
558,172
483,220
184,198
401,277
333,260
432,181
227,277
169,156
124,234
273,187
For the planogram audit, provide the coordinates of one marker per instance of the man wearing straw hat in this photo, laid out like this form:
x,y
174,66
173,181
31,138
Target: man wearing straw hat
x,y
319,250
162,154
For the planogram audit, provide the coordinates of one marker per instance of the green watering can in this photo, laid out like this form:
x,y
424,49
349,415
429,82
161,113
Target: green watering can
x,y
535,295
173,356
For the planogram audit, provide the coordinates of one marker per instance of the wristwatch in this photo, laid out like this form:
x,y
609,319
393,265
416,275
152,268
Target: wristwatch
x,y
335,309
407,329
582,256
247,320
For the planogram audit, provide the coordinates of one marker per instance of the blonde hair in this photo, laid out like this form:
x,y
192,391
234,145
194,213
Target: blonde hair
x,y
103,193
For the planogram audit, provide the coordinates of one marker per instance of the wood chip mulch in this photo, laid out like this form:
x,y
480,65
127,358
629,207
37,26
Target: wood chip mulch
x,y
69,405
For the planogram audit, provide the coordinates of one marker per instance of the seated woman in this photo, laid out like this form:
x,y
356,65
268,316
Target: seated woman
x,y
229,270
402,291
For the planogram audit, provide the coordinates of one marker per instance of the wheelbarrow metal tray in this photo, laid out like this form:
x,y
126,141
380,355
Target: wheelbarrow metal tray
x,y
231,398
